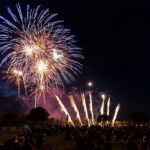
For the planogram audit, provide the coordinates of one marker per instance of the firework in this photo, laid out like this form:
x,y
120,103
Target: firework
x,y
65,111
91,107
40,48
75,109
102,106
115,114
108,106
85,108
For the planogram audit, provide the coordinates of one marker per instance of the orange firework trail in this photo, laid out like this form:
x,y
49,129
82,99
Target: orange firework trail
x,y
75,109
102,106
85,108
115,114
108,106
16,76
74,106
65,111
91,108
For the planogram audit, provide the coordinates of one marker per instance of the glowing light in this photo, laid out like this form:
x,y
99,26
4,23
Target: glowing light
x,y
65,111
28,50
42,87
102,107
115,114
103,96
108,106
75,109
56,55
17,72
90,84
85,108
42,66
91,108
36,48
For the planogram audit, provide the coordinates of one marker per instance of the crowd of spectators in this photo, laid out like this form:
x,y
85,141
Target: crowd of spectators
x,y
92,138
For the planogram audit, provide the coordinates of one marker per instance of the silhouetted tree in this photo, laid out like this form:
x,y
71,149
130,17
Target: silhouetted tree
x,y
38,114
137,117
10,118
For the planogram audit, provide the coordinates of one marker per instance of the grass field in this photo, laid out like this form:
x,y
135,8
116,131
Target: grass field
x,y
7,134
58,142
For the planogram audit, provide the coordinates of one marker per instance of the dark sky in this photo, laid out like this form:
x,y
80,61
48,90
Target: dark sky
x,y
114,36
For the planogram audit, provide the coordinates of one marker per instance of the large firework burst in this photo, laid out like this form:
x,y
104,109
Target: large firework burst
x,y
38,51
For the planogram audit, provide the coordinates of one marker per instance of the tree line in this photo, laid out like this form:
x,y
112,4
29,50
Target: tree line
x,y
40,115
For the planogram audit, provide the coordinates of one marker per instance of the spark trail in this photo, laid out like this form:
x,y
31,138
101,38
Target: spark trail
x,y
115,115
102,106
91,107
75,108
108,106
85,108
65,111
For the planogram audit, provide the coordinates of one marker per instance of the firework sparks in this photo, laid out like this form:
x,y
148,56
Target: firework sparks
x,y
16,76
42,49
102,106
41,67
91,107
75,109
108,106
17,72
85,108
56,55
115,115
65,111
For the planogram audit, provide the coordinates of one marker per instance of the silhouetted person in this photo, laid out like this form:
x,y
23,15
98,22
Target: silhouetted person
x,y
145,144
131,145
108,143
27,145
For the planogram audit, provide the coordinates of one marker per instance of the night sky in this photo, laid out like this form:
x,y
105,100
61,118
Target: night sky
x,y
114,36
